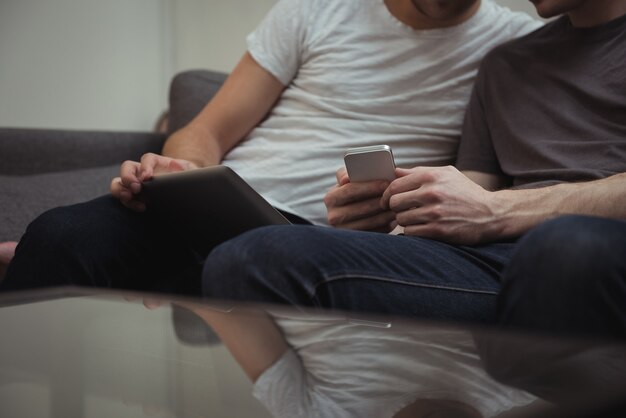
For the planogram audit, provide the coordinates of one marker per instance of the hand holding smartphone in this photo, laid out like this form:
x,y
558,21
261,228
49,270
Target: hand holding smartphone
x,y
356,204
370,163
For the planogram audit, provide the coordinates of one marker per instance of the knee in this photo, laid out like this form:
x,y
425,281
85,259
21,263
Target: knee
x,y
572,252
566,268
235,260
68,231
43,253
262,265
52,229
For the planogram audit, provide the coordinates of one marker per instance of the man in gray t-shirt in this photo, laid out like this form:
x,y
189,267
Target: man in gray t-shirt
x,y
550,107
545,136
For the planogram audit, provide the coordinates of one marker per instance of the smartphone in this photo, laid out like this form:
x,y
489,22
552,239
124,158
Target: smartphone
x,y
370,163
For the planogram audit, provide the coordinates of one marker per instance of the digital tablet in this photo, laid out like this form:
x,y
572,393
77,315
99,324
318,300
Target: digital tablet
x,y
208,205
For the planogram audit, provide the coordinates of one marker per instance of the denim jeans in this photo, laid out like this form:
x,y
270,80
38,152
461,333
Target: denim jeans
x,y
358,271
567,275
100,243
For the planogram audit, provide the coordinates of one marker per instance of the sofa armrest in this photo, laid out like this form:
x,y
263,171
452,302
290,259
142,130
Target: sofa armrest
x,y
37,151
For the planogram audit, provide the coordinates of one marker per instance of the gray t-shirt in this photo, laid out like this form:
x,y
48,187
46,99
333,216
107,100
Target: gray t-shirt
x,y
550,107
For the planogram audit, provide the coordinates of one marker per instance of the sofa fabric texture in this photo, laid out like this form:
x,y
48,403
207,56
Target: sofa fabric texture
x,y
190,91
41,169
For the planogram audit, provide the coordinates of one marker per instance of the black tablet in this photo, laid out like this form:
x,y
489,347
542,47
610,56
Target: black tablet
x,y
208,205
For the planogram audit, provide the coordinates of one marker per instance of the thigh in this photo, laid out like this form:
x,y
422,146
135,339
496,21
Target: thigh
x,y
330,268
99,243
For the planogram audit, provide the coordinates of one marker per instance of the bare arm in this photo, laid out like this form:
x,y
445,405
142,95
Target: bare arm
x,y
520,210
244,100
252,338
444,204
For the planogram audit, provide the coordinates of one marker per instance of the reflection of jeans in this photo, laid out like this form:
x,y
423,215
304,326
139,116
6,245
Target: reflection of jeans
x,y
552,280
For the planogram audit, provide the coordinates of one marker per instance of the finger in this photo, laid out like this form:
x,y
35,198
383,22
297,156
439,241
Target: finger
x,y
126,197
152,303
379,223
408,180
342,176
115,187
403,172
408,200
119,191
415,216
153,163
178,165
338,216
129,174
354,192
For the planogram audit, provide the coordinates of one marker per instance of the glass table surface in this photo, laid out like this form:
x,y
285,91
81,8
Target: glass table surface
x,y
71,352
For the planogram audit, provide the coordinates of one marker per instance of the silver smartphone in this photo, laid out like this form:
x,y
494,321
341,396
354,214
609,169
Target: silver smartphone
x,y
370,163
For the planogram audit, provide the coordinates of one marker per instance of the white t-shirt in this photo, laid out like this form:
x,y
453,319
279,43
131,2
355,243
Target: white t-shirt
x,y
341,370
357,76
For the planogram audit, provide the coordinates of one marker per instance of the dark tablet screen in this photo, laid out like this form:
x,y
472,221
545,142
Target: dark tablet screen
x,y
208,205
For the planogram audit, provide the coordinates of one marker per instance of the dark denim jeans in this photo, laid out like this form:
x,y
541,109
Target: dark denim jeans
x,y
567,275
103,244
358,271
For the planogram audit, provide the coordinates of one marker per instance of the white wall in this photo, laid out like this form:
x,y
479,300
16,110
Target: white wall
x,y
93,64
83,63
211,33
519,5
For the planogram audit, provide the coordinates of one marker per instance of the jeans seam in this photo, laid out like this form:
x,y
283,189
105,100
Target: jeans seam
x,y
336,277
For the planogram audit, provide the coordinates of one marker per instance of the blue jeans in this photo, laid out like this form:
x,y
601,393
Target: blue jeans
x,y
567,275
358,271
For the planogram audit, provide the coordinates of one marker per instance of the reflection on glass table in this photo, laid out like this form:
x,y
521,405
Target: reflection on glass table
x,y
72,353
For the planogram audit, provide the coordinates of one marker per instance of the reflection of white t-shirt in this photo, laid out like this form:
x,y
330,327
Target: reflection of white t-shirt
x,y
357,76
340,370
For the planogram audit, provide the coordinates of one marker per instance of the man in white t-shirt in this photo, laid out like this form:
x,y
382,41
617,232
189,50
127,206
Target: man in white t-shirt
x,y
528,228
320,76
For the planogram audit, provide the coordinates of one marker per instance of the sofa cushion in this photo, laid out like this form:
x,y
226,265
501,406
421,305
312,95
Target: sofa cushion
x,y
23,198
190,91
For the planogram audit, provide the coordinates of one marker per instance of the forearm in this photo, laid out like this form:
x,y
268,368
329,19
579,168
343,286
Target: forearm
x,y
194,143
252,337
520,210
239,106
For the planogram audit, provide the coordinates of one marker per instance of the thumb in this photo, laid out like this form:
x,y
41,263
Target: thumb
x,y
403,172
342,176
177,165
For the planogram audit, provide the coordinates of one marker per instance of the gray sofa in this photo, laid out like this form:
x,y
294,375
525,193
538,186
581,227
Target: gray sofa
x,y
43,169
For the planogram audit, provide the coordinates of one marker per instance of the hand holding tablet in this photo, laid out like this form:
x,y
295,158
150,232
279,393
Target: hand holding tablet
x,y
208,205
